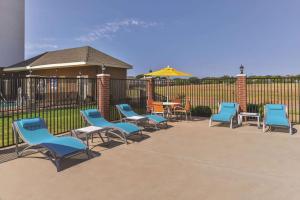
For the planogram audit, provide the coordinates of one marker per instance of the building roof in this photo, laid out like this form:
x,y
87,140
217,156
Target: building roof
x,y
81,56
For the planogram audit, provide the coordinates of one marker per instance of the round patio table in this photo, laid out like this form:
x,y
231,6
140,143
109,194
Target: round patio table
x,y
171,104
168,105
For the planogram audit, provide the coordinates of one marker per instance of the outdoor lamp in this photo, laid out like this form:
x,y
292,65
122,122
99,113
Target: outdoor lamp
x,y
103,68
242,69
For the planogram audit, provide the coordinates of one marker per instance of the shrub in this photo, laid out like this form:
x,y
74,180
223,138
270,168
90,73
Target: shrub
x,y
202,111
256,108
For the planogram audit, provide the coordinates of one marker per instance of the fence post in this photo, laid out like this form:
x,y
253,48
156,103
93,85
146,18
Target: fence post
x,y
241,85
150,88
103,83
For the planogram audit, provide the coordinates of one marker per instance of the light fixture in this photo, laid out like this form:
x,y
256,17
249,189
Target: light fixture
x,y
242,69
103,68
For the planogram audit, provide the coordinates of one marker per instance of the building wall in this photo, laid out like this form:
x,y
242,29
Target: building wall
x,y
90,71
11,31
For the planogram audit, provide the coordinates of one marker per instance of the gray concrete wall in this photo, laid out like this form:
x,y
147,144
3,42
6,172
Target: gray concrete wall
x,y
12,20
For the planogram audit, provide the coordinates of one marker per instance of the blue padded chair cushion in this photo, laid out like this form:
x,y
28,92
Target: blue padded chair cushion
x,y
125,107
128,112
229,108
223,117
63,146
156,118
276,115
228,105
35,132
277,120
275,107
128,128
94,113
98,120
32,124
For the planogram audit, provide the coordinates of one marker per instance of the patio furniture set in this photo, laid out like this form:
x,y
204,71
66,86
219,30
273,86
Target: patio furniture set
x,y
275,115
170,109
35,134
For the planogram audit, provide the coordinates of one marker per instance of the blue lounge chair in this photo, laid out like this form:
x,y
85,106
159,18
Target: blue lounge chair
x,y
121,130
276,115
35,133
227,112
129,115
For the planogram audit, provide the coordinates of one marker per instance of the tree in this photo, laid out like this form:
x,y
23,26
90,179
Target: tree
x,y
194,80
139,76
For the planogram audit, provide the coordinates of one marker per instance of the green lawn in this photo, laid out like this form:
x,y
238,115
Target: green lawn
x,y
58,121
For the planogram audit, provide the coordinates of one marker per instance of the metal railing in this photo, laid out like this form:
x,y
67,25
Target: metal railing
x,y
282,90
57,100
204,94
130,91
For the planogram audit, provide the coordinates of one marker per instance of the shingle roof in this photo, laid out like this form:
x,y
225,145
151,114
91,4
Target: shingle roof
x,y
85,54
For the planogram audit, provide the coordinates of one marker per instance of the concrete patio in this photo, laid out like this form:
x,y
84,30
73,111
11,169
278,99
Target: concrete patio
x,y
188,161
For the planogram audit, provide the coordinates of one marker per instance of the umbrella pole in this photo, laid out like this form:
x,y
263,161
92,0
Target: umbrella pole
x,y
168,86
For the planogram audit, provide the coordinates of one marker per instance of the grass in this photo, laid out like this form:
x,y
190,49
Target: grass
x,y
211,94
58,121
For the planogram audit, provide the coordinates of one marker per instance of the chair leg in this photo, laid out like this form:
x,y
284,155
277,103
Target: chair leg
x,y
87,151
231,123
291,129
141,134
210,122
58,164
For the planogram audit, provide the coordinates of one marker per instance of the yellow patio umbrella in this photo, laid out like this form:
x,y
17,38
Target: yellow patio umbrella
x,y
167,72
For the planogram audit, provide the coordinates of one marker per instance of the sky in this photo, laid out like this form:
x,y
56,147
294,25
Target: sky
x,y
201,37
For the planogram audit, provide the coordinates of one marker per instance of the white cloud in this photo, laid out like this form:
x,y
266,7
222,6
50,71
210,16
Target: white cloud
x,y
32,49
108,29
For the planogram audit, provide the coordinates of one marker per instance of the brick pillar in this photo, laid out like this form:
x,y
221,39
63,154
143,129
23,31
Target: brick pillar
x,y
241,85
150,88
103,82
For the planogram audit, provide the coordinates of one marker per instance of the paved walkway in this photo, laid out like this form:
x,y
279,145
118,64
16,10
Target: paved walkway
x,y
188,161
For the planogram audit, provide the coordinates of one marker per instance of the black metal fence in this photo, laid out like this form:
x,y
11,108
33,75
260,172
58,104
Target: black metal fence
x,y
283,90
130,91
57,100
205,94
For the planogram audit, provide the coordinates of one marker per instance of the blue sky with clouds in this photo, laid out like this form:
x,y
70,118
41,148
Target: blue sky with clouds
x,y
202,37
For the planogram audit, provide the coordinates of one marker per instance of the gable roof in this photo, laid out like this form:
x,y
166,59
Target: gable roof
x,y
81,56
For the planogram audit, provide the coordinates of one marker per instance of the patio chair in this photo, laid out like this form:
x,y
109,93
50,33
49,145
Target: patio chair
x,y
121,130
186,110
276,115
177,100
149,105
227,112
158,108
35,133
129,115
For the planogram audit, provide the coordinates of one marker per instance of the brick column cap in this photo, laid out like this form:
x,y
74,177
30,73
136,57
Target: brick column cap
x,y
31,75
100,75
241,75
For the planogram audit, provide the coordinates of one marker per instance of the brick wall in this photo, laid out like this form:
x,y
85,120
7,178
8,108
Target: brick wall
x,y
103,83
242,91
